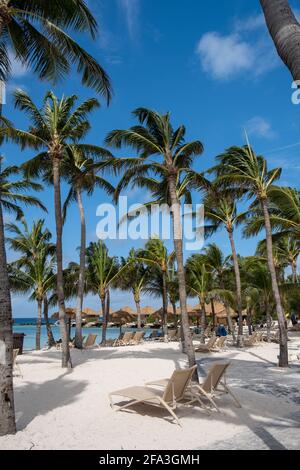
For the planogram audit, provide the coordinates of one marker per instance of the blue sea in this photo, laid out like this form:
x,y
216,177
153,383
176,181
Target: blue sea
x,y
27,326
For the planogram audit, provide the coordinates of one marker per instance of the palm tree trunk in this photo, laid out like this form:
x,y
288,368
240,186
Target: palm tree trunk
x,y
51,340
138,309
294,272
81,279
174,313
7,408
283,344
240,338
104,316
228,314
66,358
213,312
188,346
165,304
269,323
285,32
203,322
249,321
38,325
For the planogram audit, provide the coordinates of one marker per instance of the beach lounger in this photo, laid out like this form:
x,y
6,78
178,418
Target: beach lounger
x,y
208,347
168,398
252,340
221,343
90,342
172,335
137,337
125,339
215,385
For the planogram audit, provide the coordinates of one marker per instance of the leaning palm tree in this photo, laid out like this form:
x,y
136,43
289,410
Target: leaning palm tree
x,y
28,242
221,212
52,129
284,29
81,172
35,32
134,279
10,198
37,276
245,171
154,136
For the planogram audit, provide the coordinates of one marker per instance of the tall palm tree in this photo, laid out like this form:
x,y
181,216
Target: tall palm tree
x,y
81,172
199,283
156,254
172,288
284,29
52,129
154,136
219,265
134,278
10,198
244,170
29,243
103,272
36,33
36,276
221,211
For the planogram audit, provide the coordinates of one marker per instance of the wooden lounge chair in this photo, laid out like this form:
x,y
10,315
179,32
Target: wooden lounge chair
x,y
137,337
168,398
90,342
172,335
208,347
252,340
153,336
215,385
125,340
16,366
221,343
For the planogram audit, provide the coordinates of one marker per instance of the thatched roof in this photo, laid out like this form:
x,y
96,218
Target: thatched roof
x,y
71,311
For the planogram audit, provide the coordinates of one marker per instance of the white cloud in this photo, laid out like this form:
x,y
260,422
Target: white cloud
x,y
131,11
248,49
224,56
259,127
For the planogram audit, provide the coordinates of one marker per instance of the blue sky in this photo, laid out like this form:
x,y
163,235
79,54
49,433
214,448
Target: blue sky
x,y
215,69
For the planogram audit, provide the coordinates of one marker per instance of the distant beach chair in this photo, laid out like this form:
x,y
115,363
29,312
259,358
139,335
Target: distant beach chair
x,y
221,343
125,339
172,335
215,385
173,393
153,336
16,366
137,337
252,340
208,347
90,342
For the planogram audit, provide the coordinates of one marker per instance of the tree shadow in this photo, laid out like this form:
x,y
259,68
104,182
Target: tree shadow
x,y
45,397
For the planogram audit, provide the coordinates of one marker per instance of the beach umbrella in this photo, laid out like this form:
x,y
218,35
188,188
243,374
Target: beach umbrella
x,y
122,316
147,311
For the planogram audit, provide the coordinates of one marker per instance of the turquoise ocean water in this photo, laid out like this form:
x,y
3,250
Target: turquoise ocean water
x,y
21,325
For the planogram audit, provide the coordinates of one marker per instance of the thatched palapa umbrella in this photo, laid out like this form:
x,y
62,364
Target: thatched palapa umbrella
x,y
122,316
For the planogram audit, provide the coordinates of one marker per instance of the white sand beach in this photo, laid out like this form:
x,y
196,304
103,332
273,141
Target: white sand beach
x,y
59,409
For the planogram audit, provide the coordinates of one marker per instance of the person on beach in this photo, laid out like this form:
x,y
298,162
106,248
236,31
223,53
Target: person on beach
x,y
221,331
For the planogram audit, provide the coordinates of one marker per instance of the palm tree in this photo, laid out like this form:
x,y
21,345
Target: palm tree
x,y
259,285
172,288
134,279
199,283
36,33
103,272
29,244
81,170
52,130
36,276
10,198
285,32
156,254
245,171
221,211
219,265
155,137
